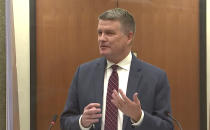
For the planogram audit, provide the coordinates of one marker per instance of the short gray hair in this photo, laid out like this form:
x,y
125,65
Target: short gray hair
x,y
123,16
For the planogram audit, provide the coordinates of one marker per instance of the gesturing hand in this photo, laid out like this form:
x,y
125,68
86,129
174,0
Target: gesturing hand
x,y
127,106
91,114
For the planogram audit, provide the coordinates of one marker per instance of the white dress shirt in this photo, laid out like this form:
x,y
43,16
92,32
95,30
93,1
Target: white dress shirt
x,y
123,74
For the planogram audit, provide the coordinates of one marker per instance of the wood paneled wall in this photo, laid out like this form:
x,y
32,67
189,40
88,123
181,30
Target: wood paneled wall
x,y
167,36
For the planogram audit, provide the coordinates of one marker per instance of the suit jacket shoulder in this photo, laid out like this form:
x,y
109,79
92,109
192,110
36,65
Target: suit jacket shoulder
x,y
146,67
92,65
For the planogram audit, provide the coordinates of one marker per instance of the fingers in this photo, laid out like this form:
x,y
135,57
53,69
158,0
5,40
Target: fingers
x,y
127,106
120,99
117,100
135,98
124,97
91,114
92,105
92,110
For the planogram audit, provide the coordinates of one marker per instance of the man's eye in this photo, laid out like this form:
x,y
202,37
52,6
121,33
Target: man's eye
x,y
110,33
99,33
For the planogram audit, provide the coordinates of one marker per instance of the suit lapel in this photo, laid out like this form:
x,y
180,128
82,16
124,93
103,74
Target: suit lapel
x,y
133,80
99,84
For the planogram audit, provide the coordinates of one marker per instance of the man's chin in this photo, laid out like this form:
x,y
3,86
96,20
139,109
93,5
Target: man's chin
x,y
105,54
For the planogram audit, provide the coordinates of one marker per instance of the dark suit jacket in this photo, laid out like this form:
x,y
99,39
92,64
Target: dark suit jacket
x,y
150,82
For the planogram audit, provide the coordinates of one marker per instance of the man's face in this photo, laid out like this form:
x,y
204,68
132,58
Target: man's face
x,y
114,44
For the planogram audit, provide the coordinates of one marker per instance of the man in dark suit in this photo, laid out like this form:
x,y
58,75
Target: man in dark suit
x,y
142,95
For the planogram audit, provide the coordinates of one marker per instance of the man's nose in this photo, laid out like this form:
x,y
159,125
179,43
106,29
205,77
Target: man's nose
x,y
102,37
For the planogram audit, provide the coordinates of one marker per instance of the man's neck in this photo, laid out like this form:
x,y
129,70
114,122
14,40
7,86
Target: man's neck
x,y
116,60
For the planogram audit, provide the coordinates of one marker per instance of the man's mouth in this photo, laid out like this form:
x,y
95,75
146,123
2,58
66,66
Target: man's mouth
x,y
103,46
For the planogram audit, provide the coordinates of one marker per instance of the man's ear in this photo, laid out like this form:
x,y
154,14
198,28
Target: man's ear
x,y
130,37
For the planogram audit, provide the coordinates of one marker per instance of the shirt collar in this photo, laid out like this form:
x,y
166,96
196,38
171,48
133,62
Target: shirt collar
x,y
124,64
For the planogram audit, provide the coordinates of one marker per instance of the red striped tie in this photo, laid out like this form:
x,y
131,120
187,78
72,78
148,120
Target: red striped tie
x,y
111,109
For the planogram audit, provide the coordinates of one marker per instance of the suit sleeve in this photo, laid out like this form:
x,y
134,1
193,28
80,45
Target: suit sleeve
x,y
70,117
157,120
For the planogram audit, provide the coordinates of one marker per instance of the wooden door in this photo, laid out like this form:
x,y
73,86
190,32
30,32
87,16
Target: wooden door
x,y
168,36
66,37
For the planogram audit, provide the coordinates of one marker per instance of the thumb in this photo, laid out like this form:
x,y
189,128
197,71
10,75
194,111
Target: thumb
x,y
135,98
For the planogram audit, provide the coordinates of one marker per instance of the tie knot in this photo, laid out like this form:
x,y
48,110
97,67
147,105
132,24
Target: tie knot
x,y
114,67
